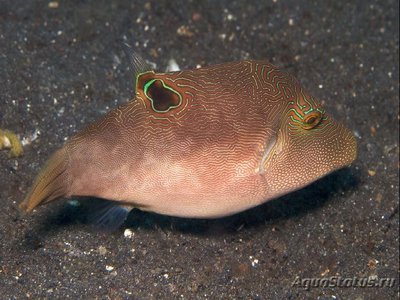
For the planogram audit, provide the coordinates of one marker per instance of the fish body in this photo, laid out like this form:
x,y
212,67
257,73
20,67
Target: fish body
x,y
201,143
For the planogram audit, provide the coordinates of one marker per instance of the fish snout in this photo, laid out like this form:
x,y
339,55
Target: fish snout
x,y
300,157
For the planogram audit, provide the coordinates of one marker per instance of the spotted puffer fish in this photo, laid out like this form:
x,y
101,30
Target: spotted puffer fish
x,y
202,143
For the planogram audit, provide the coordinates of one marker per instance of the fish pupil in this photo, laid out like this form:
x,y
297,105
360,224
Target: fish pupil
x,y
311,120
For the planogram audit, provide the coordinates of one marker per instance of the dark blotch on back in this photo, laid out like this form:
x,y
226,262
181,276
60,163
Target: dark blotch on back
x,y
163,98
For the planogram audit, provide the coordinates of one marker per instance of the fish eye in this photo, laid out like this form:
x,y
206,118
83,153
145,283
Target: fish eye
x,y
312,119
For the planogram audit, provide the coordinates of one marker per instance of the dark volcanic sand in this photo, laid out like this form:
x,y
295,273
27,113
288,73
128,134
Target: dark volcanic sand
x,y
63,67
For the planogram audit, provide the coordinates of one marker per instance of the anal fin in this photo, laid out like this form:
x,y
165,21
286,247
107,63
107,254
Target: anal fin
x,y
108,215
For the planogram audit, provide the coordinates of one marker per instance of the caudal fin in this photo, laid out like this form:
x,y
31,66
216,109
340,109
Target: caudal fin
x,y
52,182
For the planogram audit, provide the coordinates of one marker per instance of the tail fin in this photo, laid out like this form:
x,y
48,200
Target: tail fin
x,y
52,182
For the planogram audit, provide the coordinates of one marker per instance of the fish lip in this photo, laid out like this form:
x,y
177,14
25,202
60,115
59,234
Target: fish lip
x,y
268,153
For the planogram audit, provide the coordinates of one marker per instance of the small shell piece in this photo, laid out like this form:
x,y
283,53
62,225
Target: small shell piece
x,y
9,140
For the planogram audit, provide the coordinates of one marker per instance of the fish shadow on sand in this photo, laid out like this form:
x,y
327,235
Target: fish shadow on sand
x,y
292,205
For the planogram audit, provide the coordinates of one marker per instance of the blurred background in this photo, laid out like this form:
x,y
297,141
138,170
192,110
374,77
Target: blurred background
x,y
63,65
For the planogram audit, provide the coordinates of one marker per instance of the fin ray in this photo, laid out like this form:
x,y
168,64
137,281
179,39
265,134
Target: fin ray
x,y
137,64
108,215
52,182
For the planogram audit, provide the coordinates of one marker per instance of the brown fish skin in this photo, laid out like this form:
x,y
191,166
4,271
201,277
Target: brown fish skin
x,y
202,143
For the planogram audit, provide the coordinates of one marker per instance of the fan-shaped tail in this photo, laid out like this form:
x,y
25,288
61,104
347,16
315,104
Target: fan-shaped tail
x,y
52,182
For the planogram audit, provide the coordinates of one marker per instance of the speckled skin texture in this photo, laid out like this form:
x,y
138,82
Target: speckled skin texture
x,y
64,67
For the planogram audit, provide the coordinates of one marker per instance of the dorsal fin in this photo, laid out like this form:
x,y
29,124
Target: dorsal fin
x,y
137,64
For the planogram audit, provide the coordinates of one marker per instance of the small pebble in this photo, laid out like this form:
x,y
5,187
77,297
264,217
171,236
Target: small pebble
x,y
128,233
325,272
372,264
53,4
147,6
102,250
196,16
172,66
254,261
109,268
373,130
184,31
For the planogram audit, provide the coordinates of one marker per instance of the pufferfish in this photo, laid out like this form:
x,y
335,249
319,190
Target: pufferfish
x,y
202,143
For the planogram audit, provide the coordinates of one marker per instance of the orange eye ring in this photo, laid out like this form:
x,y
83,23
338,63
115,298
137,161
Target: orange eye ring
x,y
312,119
